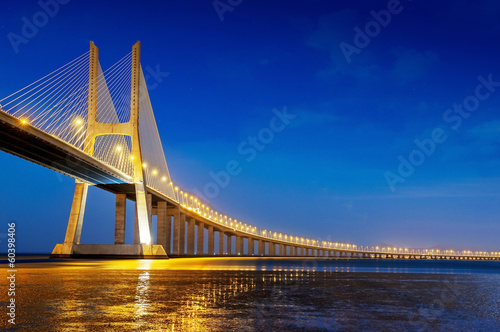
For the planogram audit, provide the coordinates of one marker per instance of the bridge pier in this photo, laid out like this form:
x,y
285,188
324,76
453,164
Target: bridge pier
x,y
239,245
120,212
221,243
262,248
175,213
272,249
251,246
163,226
182,234
210,240
190,236
200,237
73,248
229,244
75,222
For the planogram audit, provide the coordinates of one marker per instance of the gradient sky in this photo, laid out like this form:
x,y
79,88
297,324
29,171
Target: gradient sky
x,y
325,174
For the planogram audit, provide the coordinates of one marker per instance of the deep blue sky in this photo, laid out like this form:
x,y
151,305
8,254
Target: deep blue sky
x,y
324,175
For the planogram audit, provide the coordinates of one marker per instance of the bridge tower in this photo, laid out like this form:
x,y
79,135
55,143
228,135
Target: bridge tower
x,y
146,248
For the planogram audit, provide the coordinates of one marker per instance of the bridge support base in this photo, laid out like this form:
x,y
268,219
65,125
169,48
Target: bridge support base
x,y
69,250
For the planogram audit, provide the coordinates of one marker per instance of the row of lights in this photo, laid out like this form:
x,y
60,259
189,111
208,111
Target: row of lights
x,y
184,198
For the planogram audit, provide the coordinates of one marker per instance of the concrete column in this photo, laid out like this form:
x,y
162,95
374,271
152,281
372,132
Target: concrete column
x,y
120,213
75,222
305,251
176,214
221,243
251,246
272,249
149,201
282,250
239,245
182,234
292,251
200,246
190,236
136,226
163,226
210,240
229,244
262,248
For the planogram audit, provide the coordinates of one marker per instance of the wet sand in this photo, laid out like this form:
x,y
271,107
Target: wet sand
x,y
221,294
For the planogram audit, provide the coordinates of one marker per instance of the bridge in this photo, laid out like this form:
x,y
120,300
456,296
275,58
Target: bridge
x,y
99,128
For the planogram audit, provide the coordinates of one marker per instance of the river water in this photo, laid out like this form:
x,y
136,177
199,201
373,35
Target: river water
x,y
254,294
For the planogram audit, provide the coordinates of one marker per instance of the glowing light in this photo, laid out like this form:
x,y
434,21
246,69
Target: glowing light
x,y
118,148
131,157
164,178
24,121
155,172
144,165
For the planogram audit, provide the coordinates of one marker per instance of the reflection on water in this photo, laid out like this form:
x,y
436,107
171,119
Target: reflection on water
x,y
141,297
255,295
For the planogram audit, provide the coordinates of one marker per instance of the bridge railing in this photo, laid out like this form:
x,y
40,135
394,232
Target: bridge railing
x,y
192,203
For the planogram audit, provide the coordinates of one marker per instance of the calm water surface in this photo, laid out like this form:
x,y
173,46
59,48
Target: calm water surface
x,y
255,294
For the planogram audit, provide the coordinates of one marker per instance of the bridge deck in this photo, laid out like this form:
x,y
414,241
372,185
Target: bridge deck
x,y
32,144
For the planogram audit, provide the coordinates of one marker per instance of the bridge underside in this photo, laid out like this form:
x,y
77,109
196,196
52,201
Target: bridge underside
x,y
46,150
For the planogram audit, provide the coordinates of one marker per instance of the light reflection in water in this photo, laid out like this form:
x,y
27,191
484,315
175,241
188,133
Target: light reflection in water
x,y
214,294
142,295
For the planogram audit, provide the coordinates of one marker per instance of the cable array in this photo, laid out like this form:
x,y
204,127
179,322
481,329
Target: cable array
x,y
56,103
113,106
155,166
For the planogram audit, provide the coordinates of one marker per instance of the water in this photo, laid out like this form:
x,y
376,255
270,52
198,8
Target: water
x,y
248,294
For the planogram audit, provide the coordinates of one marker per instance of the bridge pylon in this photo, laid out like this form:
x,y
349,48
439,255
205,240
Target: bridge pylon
x,y
145,248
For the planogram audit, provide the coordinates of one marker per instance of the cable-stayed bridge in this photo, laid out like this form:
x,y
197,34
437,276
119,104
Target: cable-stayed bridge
x,y
99,128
